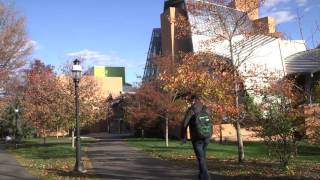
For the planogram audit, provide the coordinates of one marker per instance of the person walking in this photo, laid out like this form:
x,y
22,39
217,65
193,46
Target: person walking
x,y
198,120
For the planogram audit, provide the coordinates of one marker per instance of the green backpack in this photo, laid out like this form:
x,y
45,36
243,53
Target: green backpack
x,y
203,124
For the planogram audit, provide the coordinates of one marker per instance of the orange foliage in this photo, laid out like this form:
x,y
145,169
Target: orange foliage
x,y
208,75
149,104
39,96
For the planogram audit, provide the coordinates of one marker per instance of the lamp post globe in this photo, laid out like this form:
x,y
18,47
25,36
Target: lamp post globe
x,y
76,70
76,74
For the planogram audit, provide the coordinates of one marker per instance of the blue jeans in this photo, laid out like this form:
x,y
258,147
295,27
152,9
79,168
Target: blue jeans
x,y
200,149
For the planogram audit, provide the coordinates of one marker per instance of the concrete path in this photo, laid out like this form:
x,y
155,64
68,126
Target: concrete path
x,y
113,159
10,169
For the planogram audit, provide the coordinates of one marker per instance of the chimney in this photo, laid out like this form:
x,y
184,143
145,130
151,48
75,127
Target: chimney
x,y
249,6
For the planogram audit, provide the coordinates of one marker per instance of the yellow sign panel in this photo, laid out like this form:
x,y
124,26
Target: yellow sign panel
x,y
99,71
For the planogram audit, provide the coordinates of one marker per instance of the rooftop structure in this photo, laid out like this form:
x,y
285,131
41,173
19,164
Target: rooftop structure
x,y
106,71
304,62
265,49
304,66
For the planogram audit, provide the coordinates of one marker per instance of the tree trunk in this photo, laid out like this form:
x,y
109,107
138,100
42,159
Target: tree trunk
x,y
220,134
236,89
142,133
240,143
167,132
72,138
119,126
44,139
238,129
57,133
108,127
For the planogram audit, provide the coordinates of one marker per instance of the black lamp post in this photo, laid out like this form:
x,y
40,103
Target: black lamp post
x,y
16,122
76,74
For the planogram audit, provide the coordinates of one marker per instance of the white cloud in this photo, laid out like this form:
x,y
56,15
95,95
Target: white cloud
x,y
274,6
301,2
307,9
34,44
110,59
283,16
95,56
274,3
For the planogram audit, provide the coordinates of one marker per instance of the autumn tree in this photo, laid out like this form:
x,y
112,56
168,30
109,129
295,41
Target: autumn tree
x,y
229,29
92,104
150,105
14,44
204,74
40,97
281,119
313,115
91,100
109,111
50,99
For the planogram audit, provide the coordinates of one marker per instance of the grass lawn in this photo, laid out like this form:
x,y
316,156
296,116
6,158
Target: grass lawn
x,y
53,160
222,158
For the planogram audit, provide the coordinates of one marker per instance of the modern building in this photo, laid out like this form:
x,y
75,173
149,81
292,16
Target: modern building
x,y
155,50
304,66
105,71
111,79
113,86
264,48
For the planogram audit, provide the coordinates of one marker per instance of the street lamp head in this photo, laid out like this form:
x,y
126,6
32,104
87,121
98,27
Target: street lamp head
x,y
16,110
76,70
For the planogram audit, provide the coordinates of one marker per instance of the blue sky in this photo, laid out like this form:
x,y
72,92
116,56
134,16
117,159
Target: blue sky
x,y
117,32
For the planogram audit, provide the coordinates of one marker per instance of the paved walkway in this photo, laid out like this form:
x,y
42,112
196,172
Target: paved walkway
x,y
113,159
11,169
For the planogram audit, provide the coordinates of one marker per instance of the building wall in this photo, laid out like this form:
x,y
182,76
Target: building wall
x,y
265,25
261,55
229,133
277,51
169,37
107,85
110,85
250,6
104,71
271,54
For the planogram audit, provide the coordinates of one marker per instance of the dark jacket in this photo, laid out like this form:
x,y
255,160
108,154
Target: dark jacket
x,y
189,120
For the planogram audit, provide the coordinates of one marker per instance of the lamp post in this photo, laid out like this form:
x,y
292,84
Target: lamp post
x,y
76,74
16,122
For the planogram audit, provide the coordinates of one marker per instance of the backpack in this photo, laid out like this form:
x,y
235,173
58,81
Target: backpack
x,y
203,124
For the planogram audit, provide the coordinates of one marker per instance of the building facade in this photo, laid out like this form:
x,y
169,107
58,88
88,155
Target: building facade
x,y
266,48
255,41
110,79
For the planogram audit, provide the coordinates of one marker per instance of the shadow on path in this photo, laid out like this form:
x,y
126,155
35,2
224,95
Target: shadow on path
x,y
11,169
113,159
